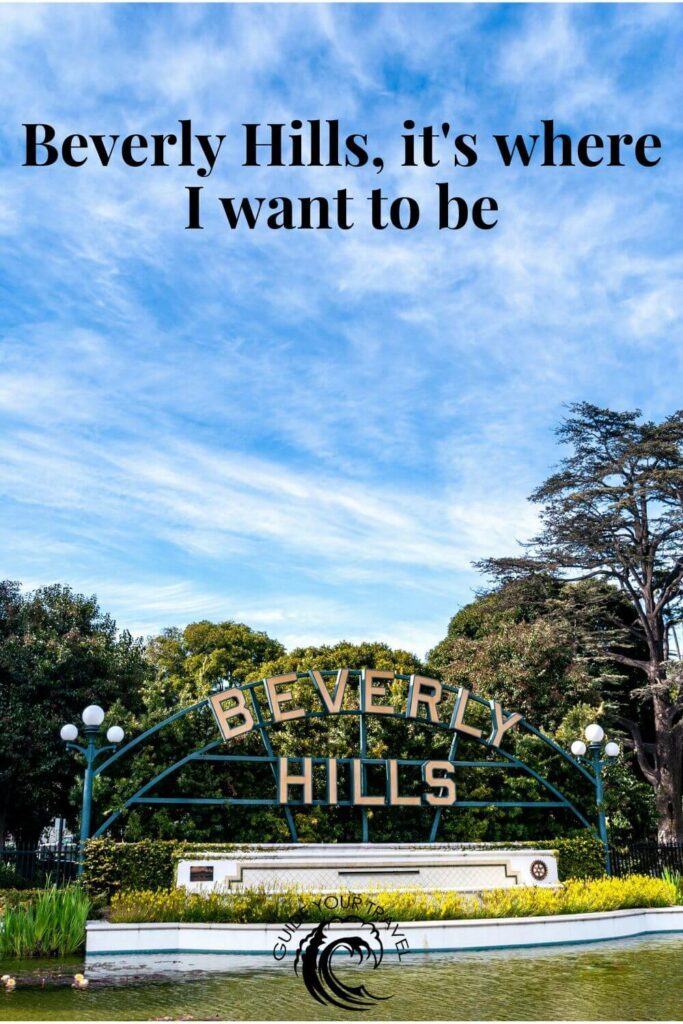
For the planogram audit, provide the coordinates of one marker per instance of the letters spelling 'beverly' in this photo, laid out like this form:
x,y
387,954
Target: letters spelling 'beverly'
x,y
424,701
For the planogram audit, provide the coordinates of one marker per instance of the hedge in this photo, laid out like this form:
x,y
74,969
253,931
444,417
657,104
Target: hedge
x,y
11,899
579,857
577,896
111,866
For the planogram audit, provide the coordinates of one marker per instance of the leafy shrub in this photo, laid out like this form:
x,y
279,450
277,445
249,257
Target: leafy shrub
x,y
50,923
579,857
9,879
11,898
257,906
110,866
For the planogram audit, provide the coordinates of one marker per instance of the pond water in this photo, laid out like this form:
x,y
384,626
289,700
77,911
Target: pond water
x,y
633,979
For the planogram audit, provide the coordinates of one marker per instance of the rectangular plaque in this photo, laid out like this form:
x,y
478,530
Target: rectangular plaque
x,y
201,872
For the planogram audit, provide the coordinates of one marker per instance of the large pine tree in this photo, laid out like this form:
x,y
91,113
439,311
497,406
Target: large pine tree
x,y
614,511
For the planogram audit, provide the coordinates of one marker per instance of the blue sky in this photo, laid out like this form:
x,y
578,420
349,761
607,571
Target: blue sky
x,y
317,433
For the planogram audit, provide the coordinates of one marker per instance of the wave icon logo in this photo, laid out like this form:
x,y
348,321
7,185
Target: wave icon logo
x,y
314,959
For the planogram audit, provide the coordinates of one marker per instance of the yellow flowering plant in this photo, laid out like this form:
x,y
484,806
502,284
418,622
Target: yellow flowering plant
x,y
257,905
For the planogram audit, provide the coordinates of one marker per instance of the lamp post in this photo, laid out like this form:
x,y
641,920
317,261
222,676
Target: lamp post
x,y
92,716
595,735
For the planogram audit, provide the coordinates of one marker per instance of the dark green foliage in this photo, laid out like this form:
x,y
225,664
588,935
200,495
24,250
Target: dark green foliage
x,y
9,879
342,655
17,898
524,644
528,644
629,802
205,656
579,857
58,653
188,668
110,866
531,644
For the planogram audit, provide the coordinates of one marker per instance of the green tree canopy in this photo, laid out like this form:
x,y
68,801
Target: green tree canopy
x,y
192,662
529,644
58,653
207,656
185,667
342,655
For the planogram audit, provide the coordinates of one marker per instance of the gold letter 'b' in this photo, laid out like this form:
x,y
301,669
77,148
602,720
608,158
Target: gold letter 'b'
x,y
223,714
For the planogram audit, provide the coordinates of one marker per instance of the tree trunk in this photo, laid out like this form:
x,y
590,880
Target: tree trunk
x,y
668,789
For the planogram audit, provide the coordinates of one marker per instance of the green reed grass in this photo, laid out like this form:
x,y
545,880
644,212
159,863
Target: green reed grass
x,y
675,878
51,924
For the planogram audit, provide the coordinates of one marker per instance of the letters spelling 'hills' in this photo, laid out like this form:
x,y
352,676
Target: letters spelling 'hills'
x,y
313,143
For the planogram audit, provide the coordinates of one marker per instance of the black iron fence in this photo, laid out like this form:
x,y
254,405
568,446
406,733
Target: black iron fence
x,y
57,863
646,858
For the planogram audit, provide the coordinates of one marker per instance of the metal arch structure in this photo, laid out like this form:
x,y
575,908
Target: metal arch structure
x,y
263,724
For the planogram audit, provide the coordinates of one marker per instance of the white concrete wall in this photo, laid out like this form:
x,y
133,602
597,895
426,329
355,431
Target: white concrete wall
x,y
114,940
359,867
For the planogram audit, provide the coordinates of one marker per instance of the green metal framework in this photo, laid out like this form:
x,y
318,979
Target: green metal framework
x,y
591,768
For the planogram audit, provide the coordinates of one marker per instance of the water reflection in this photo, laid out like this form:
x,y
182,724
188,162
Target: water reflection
x,y
633,979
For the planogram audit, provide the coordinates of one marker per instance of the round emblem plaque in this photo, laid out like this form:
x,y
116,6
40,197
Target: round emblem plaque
x,y
539,870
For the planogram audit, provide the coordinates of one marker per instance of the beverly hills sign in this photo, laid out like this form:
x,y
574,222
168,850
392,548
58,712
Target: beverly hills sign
x,y
346,780
369,779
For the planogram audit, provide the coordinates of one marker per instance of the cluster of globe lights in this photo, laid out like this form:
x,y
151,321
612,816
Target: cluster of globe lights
x,y
93,716
595,734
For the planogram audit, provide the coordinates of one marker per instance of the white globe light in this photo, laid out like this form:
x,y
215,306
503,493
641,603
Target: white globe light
x,y
93,715
594,733
612,749
68,733
578,748
115,734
